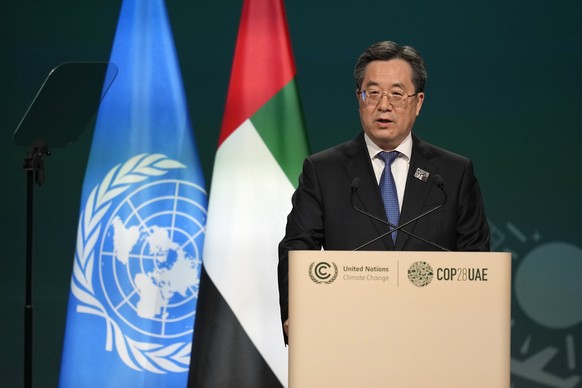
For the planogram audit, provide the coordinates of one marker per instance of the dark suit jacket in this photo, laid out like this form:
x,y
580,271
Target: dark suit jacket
x,y
322,214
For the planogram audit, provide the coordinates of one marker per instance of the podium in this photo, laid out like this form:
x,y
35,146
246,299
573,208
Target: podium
x,y
399,319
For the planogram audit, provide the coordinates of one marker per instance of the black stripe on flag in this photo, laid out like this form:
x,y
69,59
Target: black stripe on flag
x,y
223,356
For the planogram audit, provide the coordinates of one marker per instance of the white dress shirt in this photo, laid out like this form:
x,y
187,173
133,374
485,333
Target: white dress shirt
x,y
399,166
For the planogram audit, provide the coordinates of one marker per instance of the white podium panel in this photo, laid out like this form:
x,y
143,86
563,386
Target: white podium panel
x,y
399,319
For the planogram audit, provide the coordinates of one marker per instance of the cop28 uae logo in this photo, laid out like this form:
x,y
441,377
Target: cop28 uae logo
x,y
322,272
420,273
138,260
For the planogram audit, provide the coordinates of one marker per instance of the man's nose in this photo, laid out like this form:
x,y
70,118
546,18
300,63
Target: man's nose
x,y
384,103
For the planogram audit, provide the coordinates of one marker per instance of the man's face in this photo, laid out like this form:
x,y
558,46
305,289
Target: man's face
x,y
386,125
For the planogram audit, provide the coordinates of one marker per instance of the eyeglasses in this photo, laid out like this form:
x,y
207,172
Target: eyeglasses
x,y
396,98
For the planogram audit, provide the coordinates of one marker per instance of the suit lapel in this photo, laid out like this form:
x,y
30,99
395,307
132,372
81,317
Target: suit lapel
x,y
368,196
417,190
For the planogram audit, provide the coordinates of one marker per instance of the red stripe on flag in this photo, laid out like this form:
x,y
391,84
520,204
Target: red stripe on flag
x,y
263,62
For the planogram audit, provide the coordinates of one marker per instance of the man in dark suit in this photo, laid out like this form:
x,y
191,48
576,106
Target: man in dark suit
x,y
352,176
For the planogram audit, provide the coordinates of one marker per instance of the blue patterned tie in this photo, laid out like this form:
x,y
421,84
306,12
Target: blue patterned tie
x,y
388,189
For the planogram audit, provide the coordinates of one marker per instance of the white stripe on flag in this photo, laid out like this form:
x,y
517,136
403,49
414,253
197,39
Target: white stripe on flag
x,y
249,201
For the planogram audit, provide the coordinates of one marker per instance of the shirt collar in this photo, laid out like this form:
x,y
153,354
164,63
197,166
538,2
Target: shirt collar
x,y
405,148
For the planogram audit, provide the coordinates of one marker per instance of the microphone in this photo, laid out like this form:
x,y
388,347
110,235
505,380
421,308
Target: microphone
x,y
438,181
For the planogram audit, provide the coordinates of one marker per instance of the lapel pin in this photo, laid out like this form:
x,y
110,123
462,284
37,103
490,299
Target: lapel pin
x,y
421,174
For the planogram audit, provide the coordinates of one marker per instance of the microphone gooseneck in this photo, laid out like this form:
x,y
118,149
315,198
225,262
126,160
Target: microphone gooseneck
x,y
438,181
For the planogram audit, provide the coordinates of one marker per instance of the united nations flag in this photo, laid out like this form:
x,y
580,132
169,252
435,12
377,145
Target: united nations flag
x,y
137,264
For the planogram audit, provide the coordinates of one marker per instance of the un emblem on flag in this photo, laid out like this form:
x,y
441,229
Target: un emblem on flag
x,y
149,261
138,261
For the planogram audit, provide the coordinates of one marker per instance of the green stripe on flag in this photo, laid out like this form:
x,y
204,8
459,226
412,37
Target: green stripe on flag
x,y
280,124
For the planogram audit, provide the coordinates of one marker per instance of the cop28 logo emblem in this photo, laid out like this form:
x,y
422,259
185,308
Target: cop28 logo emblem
x,y
322,272
138,260
420,273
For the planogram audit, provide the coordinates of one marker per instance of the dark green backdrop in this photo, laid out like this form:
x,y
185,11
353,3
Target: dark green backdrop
x,y
504,89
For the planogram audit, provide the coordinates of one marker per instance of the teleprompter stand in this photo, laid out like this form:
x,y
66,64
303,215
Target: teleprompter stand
x,y
61,110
